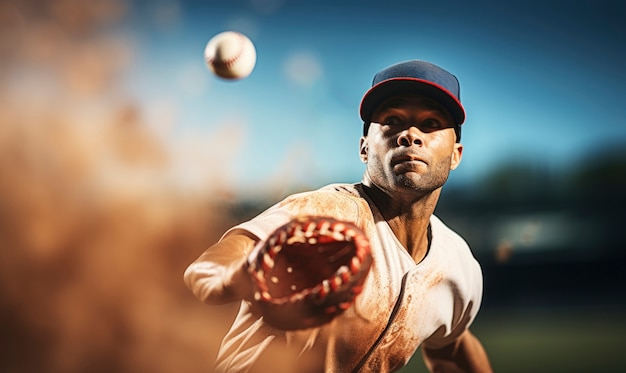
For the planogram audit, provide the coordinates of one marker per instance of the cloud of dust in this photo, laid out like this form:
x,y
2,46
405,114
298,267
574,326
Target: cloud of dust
x,y
97,220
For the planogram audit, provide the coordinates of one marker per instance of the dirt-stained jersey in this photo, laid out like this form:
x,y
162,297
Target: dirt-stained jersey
x,y
432,302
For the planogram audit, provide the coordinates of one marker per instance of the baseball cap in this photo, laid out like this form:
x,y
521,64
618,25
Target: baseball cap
x,y
419,77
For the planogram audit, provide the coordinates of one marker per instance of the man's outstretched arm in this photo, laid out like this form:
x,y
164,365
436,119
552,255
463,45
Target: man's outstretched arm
x,y
218,276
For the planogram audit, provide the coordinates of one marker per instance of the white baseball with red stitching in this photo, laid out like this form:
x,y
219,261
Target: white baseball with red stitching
x,y
230,55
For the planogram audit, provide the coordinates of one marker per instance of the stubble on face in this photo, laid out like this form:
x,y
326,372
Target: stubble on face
x,y
424,181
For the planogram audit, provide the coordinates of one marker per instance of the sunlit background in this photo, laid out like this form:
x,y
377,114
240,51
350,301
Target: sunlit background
x,y
122,158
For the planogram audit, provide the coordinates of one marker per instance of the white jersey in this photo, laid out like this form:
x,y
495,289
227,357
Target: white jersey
x,y
439,299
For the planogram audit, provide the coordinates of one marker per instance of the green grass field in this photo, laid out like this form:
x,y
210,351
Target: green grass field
x,y
553,341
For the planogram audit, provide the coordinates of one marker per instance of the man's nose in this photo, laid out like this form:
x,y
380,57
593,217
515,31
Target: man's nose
x,y
410,136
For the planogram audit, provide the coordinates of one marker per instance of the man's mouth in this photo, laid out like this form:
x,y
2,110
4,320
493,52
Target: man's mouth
x,y
409,159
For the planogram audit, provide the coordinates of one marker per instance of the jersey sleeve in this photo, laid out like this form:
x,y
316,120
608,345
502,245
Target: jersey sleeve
x,y
325,202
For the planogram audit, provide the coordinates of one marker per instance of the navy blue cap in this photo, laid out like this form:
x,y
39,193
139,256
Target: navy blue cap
x,y
418,77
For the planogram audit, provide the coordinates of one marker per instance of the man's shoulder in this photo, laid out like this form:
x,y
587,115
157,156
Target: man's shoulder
x,y
445,235
345,189
340,200
330,192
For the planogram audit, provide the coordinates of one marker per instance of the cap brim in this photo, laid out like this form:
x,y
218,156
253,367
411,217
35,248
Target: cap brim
x,y
391,87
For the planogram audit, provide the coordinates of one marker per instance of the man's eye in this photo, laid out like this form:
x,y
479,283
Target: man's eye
x,y
431,124
392,121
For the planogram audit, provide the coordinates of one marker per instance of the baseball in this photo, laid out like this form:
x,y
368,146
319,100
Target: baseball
x,y
230,55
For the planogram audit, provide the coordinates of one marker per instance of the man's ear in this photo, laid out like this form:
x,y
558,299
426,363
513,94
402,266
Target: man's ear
x,y
363,149
457,155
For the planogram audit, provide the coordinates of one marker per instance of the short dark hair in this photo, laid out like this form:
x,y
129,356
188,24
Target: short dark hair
x,y
457,130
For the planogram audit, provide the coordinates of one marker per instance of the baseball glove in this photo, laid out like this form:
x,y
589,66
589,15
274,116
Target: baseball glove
x,y
309,271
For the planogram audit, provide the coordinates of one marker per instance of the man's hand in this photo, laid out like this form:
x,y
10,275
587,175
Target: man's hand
x,y
465,355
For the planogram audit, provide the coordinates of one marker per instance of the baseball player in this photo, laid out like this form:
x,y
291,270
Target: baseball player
x,y
424,287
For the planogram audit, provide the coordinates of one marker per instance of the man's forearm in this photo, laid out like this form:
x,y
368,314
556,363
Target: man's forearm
x,y
218,275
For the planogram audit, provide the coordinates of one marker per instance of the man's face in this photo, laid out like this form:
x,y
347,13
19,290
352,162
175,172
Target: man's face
x,y
410,145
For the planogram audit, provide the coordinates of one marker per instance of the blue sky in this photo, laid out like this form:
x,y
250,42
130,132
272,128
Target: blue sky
x,y
542,82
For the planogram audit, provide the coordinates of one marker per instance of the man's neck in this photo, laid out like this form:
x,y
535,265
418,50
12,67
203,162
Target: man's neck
x,y
408,217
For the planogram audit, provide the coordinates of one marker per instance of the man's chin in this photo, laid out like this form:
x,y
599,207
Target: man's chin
x,y
418,183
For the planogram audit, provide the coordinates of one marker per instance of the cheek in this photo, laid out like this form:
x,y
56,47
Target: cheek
x,y
376,151
444,145
381,144
375,161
